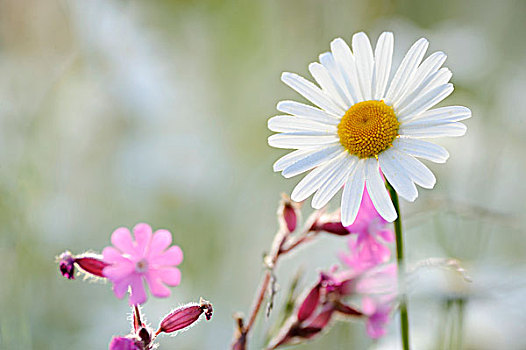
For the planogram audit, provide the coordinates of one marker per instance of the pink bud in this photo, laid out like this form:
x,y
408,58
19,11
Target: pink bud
x,y
309,304
336,228
91,265
288,213
185,316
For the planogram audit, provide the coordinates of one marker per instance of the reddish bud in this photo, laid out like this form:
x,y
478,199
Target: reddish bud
x,y
185,316
91,265
288,213
336,228
309,304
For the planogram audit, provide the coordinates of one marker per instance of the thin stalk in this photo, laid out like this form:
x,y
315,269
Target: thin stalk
x,y
404,318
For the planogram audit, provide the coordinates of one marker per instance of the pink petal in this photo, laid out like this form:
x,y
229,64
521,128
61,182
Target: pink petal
x,y
169,275
138,294
173,256
120,288
143,236
377,322
387,235
121,238
160,241
368,305
112,256
118,272
157,288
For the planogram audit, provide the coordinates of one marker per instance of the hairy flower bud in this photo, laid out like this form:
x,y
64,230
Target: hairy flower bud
x,y
288,213
330,223
309,304
91,264
336,228
185,316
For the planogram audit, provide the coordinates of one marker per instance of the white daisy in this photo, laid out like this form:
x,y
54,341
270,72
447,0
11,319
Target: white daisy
x,y
365,120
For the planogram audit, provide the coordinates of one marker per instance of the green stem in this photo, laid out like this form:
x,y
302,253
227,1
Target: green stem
x,y
404,319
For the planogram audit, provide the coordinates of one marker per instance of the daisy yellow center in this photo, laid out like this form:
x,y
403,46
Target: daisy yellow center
x,y
368,128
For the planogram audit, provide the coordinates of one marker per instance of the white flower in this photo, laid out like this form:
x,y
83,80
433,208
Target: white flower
x,y
365,120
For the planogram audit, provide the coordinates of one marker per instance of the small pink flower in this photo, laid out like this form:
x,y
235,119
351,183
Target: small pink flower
x,y
145,258
124,343
368,249
377,317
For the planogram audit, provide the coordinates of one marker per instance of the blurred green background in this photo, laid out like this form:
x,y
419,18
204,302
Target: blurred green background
x,y
119,112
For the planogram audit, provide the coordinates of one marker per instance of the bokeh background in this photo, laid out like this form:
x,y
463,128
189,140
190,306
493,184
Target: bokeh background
x,y
118,112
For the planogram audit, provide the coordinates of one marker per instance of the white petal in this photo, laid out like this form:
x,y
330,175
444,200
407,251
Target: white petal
x,y
311,92
352,193
324,79
363,54
421,149
383,56
312,182
423,103
327,60
333,184
427,68
291,158
423,122
345,60
396,175
312,160
300,140
431,82
445,114
417,171
309,112
289,123
440,78
406,70
441,130
377,191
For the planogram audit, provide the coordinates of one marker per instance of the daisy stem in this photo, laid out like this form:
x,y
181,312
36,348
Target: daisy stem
x,y
404,318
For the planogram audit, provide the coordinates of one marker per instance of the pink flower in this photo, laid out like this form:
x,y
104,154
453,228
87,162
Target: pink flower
x,y
368,249
377,316
123,343
146,258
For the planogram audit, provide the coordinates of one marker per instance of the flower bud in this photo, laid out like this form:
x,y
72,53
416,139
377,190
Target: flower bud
x,y
309,304
185,316
336,228
91,264
330,223
288,213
